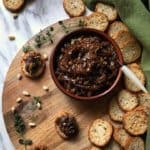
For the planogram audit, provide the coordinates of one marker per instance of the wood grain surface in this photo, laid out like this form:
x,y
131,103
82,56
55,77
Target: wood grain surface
x,y
53,102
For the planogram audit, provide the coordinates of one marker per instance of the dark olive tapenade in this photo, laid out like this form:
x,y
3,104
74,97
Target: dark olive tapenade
x,y
32,64
87,65
66,125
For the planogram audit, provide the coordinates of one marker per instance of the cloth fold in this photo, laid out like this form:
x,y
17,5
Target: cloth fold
x,y
136,16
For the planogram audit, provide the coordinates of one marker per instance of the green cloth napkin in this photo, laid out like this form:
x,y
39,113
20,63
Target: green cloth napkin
x,y
135,15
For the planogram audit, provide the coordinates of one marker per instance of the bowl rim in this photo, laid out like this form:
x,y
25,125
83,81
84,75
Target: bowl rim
x,y
74,33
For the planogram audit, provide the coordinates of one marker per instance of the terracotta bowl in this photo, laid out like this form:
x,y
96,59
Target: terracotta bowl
x,y
85,31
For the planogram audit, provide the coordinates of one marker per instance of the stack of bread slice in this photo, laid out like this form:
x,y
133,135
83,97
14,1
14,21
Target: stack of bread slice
x,y
129,107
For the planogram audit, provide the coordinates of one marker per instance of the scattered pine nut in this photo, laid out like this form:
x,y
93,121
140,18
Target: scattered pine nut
x,y
45,88
19,76
11,37
19,100
45,57
25,93
32,124
38,105
13,109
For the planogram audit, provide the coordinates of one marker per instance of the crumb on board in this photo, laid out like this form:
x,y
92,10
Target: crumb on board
x,y
11,37
25,93
45,88
19,76
19,100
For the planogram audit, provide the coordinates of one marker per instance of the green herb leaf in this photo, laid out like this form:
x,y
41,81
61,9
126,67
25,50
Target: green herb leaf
x,y
40,40
25,141
27,48
51,29
19,124
81,23
49,36
37,99
61,23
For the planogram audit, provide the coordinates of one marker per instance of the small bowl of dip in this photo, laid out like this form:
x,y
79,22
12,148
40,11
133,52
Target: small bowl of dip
x,y
85,64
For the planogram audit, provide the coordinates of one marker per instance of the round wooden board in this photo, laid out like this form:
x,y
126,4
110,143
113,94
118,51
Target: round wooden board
x,y
53,101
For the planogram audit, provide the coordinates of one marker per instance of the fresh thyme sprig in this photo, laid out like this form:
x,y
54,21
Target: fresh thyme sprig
x,y
37,99
81,23
19,124
25,142
63,26
27,48
49,36
20,127
41,39
37,102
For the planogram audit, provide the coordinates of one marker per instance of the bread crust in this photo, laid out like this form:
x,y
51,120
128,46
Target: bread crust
x,y
14,6
70,11
135,121
23,65
107,131
97,21
108,10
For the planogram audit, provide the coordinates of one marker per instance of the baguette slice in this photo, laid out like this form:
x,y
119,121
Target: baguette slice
x,y
135,121
113,145
127,100
121,136
97,21
131,51
136,143
108,10
74,8
129,84
115,27
64,123
14,5
100,132
122,37
115,112
40,69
